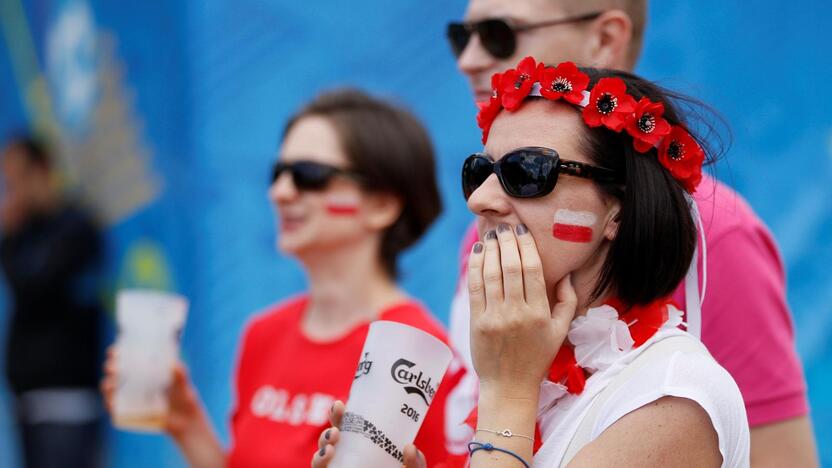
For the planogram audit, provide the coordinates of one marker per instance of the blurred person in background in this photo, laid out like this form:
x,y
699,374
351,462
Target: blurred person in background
x,y
354,185
50,251
746,284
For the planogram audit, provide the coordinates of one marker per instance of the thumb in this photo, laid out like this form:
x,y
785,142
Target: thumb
x,y
414,458
566,302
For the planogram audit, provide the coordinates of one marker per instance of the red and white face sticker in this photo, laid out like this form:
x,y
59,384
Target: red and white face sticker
x,y
342,204
574,226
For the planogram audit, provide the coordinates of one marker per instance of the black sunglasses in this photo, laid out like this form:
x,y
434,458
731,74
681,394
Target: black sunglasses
x,y
309,175
527,172
499,36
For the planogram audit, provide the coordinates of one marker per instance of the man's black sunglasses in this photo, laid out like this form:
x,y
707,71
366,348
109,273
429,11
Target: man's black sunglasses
x,y
309,175
499,36
528,172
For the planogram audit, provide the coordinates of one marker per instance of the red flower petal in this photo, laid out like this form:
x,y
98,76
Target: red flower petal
x,y
609,105
564,81
488,110
647,126
516,83
683,157
644,321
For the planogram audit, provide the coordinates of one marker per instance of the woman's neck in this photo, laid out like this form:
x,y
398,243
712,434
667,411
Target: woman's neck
x,y
346,287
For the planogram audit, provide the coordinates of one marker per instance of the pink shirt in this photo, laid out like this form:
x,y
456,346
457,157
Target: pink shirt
x,y
746,324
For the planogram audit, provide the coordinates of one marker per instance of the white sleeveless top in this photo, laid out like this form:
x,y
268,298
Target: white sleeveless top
x,y
603,343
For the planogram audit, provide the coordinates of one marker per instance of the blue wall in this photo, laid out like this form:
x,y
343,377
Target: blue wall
x,y
192,96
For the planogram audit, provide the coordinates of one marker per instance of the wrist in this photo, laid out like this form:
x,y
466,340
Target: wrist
x,y
508,393
497,401
190,428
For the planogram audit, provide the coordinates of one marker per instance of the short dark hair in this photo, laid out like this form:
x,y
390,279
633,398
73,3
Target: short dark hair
x,y
391,150
656,235
34,149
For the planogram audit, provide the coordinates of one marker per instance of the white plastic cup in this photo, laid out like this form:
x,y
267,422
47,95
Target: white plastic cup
x,y
149,325
396,379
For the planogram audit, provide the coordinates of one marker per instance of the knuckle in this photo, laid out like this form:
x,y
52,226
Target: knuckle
x,y
512,269
533,268
492,276
475,287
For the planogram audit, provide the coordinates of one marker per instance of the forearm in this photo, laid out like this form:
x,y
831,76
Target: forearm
x,y
499,410
199,444
784,443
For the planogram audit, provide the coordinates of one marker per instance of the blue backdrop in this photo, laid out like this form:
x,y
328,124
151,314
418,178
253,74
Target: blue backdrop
x,y
168,116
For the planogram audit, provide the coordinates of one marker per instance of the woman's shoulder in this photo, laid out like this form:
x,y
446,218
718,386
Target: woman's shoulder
x,y
414,313
682,369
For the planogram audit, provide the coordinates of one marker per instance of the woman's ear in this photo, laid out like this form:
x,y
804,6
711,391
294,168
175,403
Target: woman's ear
x,y
381,210
612,220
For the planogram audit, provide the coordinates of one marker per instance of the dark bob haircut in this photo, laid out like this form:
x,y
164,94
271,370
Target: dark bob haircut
x,y
656,236
391,150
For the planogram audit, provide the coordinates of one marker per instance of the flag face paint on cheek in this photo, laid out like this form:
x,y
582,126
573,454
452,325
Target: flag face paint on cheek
x,y
342,205
573,226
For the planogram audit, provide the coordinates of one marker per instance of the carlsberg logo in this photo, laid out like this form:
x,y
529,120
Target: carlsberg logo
x,y
413,382
363,366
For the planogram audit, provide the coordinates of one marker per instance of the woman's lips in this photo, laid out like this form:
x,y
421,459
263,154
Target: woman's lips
x,y
290,223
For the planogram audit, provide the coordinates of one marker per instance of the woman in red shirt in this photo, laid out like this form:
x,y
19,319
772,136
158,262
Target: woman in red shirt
x,y
354,185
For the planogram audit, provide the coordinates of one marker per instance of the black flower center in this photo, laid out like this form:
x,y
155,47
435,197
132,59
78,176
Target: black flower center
x,y
606,103
520,79
561,85
647,123
676,150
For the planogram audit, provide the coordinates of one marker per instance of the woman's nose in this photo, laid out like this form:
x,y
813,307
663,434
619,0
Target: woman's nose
x,y
282,189
489,199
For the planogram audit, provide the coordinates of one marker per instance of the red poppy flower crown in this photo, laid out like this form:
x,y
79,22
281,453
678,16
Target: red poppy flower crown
x,y
606,104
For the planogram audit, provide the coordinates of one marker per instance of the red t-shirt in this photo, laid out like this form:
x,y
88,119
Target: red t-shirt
x,y
286,384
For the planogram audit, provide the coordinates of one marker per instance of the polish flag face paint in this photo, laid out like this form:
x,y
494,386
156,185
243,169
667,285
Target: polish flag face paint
x,y
574,226
342,205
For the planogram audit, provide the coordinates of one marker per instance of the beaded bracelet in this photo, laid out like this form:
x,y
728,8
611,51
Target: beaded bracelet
x,y
505,433
475,446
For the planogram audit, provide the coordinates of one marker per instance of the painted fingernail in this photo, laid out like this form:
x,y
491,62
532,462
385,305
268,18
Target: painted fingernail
x,y
521,229
478,248
502,227
326,434
491,235
322,451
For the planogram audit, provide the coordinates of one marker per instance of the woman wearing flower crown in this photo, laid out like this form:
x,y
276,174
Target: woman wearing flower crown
x,y
582,201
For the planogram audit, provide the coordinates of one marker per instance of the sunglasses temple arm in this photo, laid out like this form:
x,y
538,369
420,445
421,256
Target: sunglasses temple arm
x,y
588,172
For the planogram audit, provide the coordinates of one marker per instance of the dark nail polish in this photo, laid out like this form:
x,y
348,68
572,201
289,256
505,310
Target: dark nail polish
x,y
503,227
491,235
322,451
477,248
521,229
326,434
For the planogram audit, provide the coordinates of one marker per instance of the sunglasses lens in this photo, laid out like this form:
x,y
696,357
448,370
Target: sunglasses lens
x,y
475,170
311,176
458,37
277,169
497,38
528,174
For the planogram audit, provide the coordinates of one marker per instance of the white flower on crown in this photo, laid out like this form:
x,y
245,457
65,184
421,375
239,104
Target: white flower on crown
x,y
600,338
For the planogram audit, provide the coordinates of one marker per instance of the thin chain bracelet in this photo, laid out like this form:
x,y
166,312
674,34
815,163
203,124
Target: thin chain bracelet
x,y
505,433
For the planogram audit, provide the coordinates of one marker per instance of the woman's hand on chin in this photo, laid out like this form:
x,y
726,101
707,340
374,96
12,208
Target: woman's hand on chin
x,y
413,458
514,332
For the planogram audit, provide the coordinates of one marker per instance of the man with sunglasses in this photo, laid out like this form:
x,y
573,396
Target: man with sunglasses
x,y
746,323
